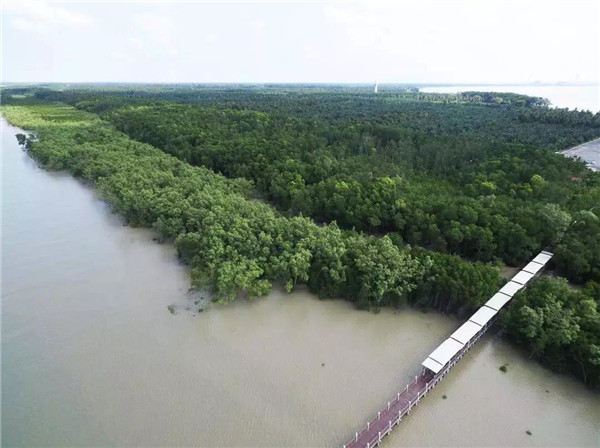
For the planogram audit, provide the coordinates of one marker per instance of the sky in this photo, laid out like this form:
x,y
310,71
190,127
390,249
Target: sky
x,y
405,41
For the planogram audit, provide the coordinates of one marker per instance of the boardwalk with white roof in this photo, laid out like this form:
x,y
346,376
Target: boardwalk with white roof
x,y
445,356
498,300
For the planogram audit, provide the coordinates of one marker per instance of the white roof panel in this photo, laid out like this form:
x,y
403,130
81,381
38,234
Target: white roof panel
x,y
497,301
466,332
511,288
543,257
446,351
483,315
432,365
533,267
522,277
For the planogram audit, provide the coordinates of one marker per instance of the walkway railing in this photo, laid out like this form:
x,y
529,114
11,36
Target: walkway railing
x,y
404,401
410,396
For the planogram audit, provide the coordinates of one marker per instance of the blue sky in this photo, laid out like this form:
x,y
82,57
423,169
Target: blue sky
x,y
403,41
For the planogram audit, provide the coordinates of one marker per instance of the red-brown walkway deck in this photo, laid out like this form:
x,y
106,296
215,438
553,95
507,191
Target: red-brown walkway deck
x,y
404,401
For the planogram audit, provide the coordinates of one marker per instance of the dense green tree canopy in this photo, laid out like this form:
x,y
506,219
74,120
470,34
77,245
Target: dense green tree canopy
x,y
234,245
559,326
400,197
480,197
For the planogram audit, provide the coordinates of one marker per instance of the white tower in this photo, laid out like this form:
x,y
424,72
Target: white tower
x,y
375,90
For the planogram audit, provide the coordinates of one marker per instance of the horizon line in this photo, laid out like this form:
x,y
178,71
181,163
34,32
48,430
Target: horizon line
x,y
334,83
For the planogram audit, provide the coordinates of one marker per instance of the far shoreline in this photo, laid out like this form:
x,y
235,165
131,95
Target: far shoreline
x,y
589,152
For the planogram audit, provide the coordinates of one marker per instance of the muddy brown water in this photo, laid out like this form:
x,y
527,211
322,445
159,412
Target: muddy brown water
x,y
92,357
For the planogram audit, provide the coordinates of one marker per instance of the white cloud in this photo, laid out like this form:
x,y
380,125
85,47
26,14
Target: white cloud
x,y
309,52
418,40
466,40
210,38
393,27
154,31
23,24
117,55
136,42
43,17
257,24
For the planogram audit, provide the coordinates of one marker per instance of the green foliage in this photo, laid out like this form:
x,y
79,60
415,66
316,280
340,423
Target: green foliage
x,y
468,196
234,245
578,254
376,269
559,326
452,284
473,174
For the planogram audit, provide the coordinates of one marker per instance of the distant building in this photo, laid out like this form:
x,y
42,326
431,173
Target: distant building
x,y
375,90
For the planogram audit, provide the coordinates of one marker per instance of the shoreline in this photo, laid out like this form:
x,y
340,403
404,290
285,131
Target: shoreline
x,y
588,152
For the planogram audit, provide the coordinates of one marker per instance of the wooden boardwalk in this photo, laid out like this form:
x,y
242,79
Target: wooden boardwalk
x,y
414,392
404,401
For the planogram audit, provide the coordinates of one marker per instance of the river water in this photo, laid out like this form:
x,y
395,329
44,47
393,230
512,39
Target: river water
x,y
92,357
